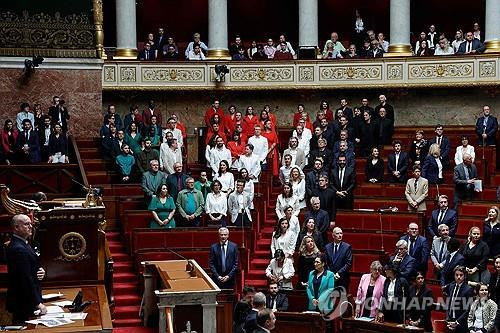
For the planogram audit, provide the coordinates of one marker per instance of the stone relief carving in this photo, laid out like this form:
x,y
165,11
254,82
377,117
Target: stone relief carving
x,y
109,74
428,71
331,73
280,74
394,72
177,74
127,74
487,68
306,73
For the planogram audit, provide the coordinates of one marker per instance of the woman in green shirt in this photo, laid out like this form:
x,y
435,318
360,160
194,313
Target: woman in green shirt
x,y
133,138
162,207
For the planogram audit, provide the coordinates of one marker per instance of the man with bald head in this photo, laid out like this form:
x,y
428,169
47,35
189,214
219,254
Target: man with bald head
x,y
24,294
418,247
464,176
389,109
339,258
176,181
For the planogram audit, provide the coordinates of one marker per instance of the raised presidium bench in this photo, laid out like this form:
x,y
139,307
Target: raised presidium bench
x,y
353,325
372,220
98,313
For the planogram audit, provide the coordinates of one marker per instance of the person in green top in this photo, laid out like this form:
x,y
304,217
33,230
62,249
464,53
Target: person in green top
x,y
133,138
203,184
125,162
190,205
162,207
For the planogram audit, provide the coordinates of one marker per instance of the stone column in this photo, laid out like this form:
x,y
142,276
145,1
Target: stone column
x,y
209,318
217,29
308,23
400,29
126,34
492,26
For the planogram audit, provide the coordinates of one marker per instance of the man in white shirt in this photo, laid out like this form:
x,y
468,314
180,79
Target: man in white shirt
x,y
297,154
24,114
196,40
249,161
196,53
219,153
288,46
303,136
260,145
287,167
171,122
239,204
170,154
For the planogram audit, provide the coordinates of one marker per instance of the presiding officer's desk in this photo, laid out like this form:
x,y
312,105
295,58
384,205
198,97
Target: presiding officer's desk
x,y
98,315
353,325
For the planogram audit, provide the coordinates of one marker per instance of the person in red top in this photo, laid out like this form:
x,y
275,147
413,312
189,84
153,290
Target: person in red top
x,y
214,130
326,108
272,117
149,112
264,116
235,146
230,120
243,136
9,137
272,143
297,115
212,110
307,121
179,125
250,119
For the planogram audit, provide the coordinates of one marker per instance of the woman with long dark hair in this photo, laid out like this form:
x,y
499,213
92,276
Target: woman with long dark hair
x,y
9,137
419,310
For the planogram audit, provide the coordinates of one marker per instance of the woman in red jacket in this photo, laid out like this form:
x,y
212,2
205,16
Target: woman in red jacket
x,y
8,137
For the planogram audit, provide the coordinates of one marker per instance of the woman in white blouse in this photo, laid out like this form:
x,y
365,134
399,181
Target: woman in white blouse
x,y
283,239
465,148
286,199
225,177
281,271
298,186
249,184
459,39
216,204
293,221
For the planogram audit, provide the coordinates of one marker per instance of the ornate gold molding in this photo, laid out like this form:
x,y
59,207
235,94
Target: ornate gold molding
x,y
492,46
98,22
220,54
125,54
398,50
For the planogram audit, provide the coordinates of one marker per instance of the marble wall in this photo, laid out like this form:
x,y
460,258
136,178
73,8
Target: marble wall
x,y
80,88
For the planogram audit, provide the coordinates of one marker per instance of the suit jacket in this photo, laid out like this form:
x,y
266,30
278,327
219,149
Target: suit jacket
x,y
375,53
423,312
312,185
327,282
490,129
420,252
447,275
142,54
450,219
386,129
231,263
24,292
350,159
233,206
251,322
402,166
172,184
445,149
430,169
406,268
340,263
465,293
5,140
378,289
281,302
33,144
322,222
436,251
349,183
151,182
476,45
419,195
300,159
460,179
54,116
400,285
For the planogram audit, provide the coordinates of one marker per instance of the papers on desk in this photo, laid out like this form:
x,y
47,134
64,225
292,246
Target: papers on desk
x,y
50,322
52,309
310,312
365,319
62,303
478,185
66,315
47,297
409,327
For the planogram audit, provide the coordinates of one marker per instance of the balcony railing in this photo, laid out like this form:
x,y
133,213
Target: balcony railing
x,y
404,72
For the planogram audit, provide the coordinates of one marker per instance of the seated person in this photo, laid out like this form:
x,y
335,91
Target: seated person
x,y
240,55
280,270
330,52
148,53
275,300
282,52
27,143
170,54
196,41
162,207
196,53
370,289
125,163
471,45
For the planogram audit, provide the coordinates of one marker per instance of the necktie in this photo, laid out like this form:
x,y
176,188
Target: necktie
x,y
469,46
441,216
466,170
397,160
440,257
223,257
179,183
412,245
335,249
416,185
273,303
26,135
341,177
439,141
147,55
455,294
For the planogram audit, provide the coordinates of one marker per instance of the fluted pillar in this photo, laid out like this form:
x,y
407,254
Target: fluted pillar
x,y
399,29
126,34
308,23
217,29
492,26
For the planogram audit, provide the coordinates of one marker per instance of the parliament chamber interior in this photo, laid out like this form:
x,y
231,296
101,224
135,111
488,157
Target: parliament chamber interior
x,y
225,166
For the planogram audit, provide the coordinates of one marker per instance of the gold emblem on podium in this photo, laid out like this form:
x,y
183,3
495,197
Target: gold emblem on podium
x,y
72,246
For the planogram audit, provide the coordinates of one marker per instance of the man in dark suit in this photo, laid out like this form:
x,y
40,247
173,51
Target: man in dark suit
x,y
339,258
471,45
459,299
176,181
375,51
444,145
259,303
385,127
27,143
327,197
418,248
464,176
397,164
349,154
320,216
43,137
24,273
312,178
58,113
275,300
223,260
403,262
344,183
442,215
161,40
486,127
147,53
453,259
389,109
266,321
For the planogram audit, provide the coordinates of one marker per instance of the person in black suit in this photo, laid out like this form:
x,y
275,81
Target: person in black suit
x,y
486,127
259,303
385,127
419,148
161,40
223,260
344,183
243,308
24,294
444,145
471,45
312,178
459,299
419,312
389,109
44,132
397,164
368,134
464,176
327,197
475,252
418,248
59,113
275,300
339,259
453,259
442,215
402,261
27,144
266,321
320,218
433,166
147,54
343,148
374,169
375,51
391,309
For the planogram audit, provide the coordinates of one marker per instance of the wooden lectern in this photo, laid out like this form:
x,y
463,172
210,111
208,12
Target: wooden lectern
x,y
172,283
355,326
